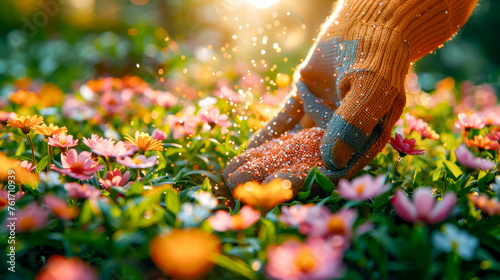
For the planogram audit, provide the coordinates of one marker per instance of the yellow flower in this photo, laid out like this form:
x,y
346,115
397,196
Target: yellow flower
x,y
49,130
51,95
145,142
11,170
24,98
25,123
185,253
264,196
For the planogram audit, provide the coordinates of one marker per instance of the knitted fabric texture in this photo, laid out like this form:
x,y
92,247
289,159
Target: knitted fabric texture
x,y
352,82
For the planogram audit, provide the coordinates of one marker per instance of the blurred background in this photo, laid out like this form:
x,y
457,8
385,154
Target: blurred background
x,y
67,42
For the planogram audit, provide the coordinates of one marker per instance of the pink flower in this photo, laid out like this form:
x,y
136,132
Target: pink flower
x,y
223,221
339,223
31,217
183,126
63,268
115,178
314,259
494,134
84,191
485,96
79,166
301,216
5,116
491,118
413,123
467,159
113,103
4,197
110,150
362,188
28,165
60,207
466,121
213,117
62,141
159,134
406,146
228,94
94,140
139,162
424,208
166,100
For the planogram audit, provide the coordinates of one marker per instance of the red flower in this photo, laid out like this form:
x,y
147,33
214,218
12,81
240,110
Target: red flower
x,y
406,146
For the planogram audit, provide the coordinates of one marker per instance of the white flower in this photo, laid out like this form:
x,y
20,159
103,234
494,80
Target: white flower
x,y
496,186
51,178
193,215
205,199
453,239
207,102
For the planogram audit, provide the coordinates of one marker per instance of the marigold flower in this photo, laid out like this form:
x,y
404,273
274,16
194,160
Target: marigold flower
x,y
406,146
468,121
139,162
424,207
485,204
315,259
467,159
185,253
79,166
25,123
62,268
109,149
362,188
144,142
115,178
50,130
482,143
24,98
84,191
9,167
30,218
60,207
62,141
223,221
264,196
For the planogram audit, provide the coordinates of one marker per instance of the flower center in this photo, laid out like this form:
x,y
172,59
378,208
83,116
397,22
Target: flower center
x,y
305,261
238,222
336,226
137,161
77,167
360,188
26,223
3,202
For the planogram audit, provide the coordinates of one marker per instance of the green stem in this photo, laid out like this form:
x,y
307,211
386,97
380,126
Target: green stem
x,y
49,157
32,149
396,168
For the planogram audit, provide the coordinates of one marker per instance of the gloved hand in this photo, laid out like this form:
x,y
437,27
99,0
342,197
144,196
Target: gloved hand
x,y
361,58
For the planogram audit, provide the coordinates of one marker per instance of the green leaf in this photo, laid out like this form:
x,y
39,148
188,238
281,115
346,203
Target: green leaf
x,y
417,177
42,164
236,266
21,148
324,182
203,173
267,233
309,181
452,169
172,202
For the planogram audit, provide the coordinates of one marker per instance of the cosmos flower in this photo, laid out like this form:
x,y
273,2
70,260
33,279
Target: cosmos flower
x,y
60,207
30,218
63,268
109,149
62,141
144,142
264,196
482,143
94,140
423,208
485,204
79,166
212,117
467,159
159,135
468,121
185,253
452,239
166,99
339,223
406,146
223,221
50,130
314,259
302,216
183,126
228,94
362,188
115,178
139,162
25,123
84,191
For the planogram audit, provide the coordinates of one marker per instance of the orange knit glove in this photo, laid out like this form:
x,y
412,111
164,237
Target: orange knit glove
x,y
361,57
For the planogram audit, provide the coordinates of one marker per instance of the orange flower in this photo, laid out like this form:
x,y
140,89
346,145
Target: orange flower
x,y
24,98
59,268
485,204
264,196
482,143
49,130
9,167
51,95
60,207
282,80
26,124
429,133
145,142
185,253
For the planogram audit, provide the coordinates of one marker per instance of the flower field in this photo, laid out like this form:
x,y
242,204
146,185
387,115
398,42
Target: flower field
x,y
113,146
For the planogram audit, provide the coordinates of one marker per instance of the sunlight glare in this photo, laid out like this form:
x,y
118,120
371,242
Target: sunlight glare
x,y
262,4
